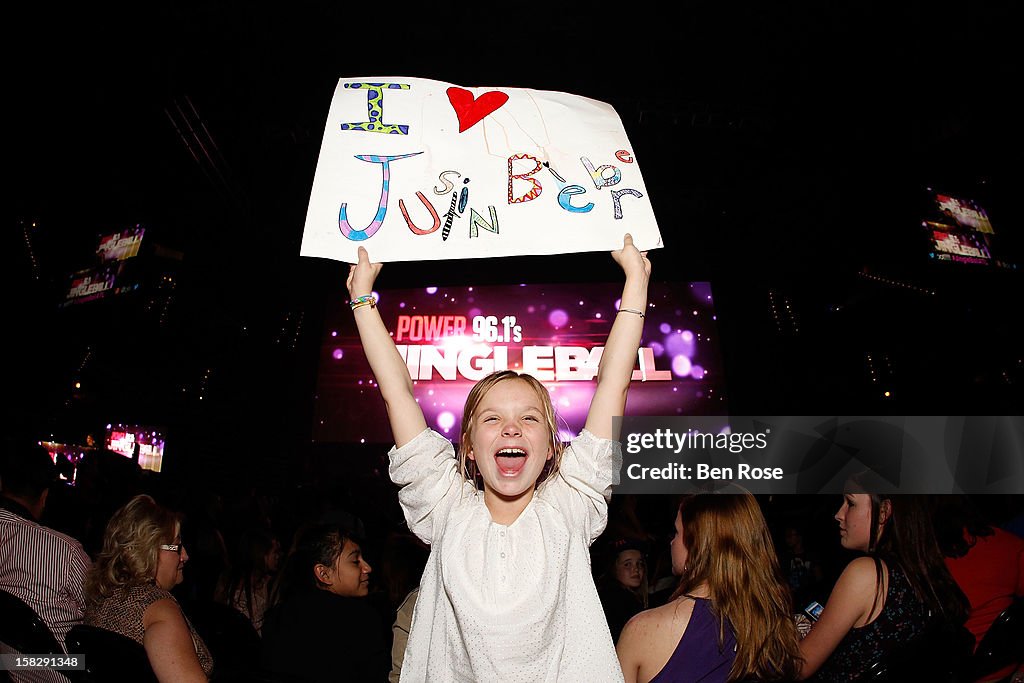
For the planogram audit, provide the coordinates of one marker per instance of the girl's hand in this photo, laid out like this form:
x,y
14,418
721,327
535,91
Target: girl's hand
x,y
362,275
634,262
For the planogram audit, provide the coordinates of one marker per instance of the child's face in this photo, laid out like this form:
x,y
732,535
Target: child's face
x,y
510,438
349,575
629,568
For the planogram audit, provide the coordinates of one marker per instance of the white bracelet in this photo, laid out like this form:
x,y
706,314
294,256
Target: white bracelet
x,y
630,310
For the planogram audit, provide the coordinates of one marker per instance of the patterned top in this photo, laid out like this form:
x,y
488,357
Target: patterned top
x,y
122,613
258,607
698,658
510,602
903,618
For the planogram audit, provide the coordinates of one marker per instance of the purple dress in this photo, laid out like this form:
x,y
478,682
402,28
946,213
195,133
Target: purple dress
x,y
698,657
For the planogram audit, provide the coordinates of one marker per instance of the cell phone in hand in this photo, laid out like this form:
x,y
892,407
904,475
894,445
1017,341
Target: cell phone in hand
x,y
813,610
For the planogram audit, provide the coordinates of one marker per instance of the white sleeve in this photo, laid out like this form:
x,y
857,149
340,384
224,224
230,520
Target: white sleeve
x,y
583,486
427,473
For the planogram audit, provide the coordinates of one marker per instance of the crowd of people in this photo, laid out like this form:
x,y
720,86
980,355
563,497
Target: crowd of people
x,y
734,613
510,563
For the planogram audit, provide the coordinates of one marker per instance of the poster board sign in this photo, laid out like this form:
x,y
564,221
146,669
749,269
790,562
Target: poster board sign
x,y
416,169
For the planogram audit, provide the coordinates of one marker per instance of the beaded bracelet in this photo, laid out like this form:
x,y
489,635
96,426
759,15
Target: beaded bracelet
x,y
361,301
630,310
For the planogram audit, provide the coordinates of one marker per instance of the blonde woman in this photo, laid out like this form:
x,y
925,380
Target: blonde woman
x,y
128,590
730,617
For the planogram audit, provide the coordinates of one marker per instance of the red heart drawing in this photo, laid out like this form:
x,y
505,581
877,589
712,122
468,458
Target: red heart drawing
x,y
470,110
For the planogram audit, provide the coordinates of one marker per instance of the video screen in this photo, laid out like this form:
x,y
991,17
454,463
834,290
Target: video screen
x,y
93,283
450,337
66,457
960,231
106,276
121,245
144,444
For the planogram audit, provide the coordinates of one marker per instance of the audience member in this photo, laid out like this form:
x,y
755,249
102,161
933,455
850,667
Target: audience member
x,y
400,634
625,518
661,578
661,581
128,590
730,617
623,585
885,600
801,566
986,562
254,558
403,559
201,524
1015,525
323,628
402,565
105,481
42,567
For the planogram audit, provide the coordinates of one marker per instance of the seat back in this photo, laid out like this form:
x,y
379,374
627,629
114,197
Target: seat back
x,y
24,630
1002,644
109,656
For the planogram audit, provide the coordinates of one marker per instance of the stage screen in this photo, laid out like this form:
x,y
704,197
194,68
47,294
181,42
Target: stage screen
x,y
66,457
107,274
92,283
450,337
124,439
121,245
960,231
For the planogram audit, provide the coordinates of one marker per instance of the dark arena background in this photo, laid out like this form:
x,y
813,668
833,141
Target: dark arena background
x,y
840,183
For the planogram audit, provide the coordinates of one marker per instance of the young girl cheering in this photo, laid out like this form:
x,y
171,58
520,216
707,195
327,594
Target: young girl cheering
x,y
507,593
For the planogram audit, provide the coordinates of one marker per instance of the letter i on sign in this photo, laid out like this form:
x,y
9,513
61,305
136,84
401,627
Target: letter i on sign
x,y
375,109
463,196
449,218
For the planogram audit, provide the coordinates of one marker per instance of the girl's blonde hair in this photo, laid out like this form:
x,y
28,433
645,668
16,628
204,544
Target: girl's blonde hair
x,y
473,400
131,548
729,547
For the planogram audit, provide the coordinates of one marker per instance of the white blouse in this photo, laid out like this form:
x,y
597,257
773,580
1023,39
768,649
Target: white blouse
x,y
512,603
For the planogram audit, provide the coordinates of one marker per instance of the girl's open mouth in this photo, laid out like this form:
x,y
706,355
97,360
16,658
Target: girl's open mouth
x,y
510,461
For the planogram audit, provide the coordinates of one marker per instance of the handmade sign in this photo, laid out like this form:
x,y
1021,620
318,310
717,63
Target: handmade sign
x,y
415,169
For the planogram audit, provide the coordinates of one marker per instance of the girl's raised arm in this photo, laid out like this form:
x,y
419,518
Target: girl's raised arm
x,y
389,369
620,350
